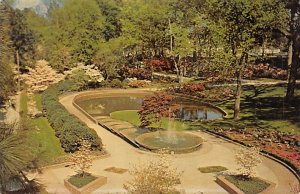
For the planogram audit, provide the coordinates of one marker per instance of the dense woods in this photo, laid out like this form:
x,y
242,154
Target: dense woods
x,y
198,38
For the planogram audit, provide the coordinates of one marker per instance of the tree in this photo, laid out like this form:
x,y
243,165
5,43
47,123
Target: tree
x,y
144,26
6,71
155,107
293,34
39,78
82,159
238,25
154,177
111,10
247,159
108,57
23,40
74,33
180,48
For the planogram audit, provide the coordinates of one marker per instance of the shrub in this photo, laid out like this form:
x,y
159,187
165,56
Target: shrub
x,y
139,73
68,128
264,71
116,83
138,84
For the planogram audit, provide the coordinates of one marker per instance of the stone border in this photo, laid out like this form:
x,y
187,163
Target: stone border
x,y
89,188
232,189
140,139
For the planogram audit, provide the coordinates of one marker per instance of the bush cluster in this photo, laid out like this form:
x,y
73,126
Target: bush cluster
x,y
67,127
138,84
264,71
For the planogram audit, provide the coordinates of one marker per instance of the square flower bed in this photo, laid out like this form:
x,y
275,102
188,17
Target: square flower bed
x,y
239,185
78,184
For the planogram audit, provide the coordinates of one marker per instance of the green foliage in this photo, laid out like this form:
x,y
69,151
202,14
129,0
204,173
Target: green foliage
x,y
67,127
23,39
249,186
75,32
80,181
15,156
212,169
79,80
109,57
155,107
6,81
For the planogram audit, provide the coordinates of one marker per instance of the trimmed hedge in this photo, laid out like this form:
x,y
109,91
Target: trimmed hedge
x,y
67,127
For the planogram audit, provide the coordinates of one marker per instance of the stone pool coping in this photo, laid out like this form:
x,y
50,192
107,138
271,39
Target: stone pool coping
x,y
140,139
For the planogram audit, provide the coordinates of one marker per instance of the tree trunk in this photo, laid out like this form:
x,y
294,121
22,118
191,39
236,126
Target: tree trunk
x,y
18,66
181,69
237,105
290,58
293,75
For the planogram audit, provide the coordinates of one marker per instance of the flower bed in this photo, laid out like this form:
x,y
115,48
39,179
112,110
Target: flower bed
x,y
282,146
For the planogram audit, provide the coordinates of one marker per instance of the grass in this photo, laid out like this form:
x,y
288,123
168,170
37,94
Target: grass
x,y
38,101
47,145
132,117
80,181
263,107
23,103
248,186
212,169
41,136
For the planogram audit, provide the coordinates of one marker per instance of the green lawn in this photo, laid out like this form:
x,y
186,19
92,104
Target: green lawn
x,y
41,137
45,142
132,117
263,107
38,101
23,103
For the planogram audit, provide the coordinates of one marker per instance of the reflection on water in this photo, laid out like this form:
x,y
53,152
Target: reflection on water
x,y
106,105
188,110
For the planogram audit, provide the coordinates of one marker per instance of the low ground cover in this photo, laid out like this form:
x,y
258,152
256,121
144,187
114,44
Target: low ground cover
x,y
79,180
249,186
212,169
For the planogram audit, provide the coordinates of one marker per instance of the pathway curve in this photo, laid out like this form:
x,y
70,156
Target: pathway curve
x,y
214,151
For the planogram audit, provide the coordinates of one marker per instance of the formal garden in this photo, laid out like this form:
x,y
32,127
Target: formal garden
x,y
152,97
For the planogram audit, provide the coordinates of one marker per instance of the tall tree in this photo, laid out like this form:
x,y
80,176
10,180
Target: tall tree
x,y
23,40
239,23
76,30
6,71
293,34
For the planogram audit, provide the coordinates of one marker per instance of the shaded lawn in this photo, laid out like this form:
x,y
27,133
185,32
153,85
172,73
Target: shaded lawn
x,y
264,107
23,103
132,117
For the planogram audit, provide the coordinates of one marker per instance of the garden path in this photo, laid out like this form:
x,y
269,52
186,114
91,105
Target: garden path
x,y
214,151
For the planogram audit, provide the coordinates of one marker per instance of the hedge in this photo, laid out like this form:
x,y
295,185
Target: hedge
x,y
67,127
